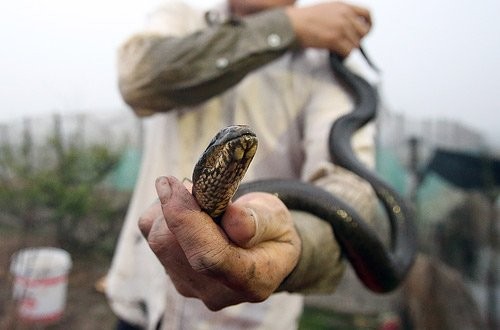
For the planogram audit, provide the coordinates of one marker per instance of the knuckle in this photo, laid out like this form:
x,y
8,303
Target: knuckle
x,y
156,247
257,294
210,261
334,37
212,305
161,245
184,290
144,224
284,216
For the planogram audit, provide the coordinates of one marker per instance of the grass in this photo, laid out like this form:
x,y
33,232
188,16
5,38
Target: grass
x,y
322,319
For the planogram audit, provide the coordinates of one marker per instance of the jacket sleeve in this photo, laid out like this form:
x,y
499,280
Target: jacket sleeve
x,y
159,70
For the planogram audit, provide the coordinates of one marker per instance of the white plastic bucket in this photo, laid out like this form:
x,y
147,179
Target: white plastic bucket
x,y
40,283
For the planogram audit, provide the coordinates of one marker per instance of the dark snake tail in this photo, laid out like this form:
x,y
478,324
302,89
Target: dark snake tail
x,y
388,267
379,268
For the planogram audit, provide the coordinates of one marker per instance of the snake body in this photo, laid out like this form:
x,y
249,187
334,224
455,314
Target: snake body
x,y
379,268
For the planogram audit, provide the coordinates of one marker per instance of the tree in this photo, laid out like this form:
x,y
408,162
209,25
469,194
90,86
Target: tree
x,y
62,185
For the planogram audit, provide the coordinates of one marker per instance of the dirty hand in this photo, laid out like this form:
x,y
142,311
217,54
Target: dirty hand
x,y
244,259
336,26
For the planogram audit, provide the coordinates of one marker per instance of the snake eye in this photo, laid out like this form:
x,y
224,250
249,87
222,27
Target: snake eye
x,y
251,150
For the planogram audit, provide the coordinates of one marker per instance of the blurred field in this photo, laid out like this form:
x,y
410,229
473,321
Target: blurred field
x,y
66,182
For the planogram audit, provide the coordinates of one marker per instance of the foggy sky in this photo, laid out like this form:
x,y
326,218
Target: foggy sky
x,y
440,59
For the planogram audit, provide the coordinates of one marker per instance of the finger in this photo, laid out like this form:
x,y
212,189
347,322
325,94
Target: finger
x,y
361,26
363,13
188,184
352,37
158,238
148,217
343,48
200,238
239,224
273,250
173,193
255,218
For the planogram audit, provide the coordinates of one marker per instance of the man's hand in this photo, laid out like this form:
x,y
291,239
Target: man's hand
x,y
336,26
243,260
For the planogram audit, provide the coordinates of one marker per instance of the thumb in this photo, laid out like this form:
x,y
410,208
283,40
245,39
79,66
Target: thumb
x,y
255,218
191,227
203,242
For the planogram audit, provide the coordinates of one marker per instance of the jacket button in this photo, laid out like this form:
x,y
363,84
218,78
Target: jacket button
x,y
274,40
221,63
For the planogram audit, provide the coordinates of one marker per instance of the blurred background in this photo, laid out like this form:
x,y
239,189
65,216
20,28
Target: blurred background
x,y
70,151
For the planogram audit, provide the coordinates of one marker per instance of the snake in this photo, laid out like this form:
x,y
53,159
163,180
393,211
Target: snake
x,y
380,267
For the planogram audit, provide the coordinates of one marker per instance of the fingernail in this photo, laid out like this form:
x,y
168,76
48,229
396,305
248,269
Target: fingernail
x,y
252,216
188,184
163,189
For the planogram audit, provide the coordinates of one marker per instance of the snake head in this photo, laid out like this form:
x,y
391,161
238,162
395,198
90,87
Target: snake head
x,y
221,167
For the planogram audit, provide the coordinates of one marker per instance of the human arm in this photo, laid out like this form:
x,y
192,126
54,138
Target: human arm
x,y
161,69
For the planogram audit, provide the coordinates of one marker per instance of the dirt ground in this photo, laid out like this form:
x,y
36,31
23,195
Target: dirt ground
x,y
86,308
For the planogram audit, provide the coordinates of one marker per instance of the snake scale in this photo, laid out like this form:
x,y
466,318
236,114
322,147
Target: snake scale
x,y
381,269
